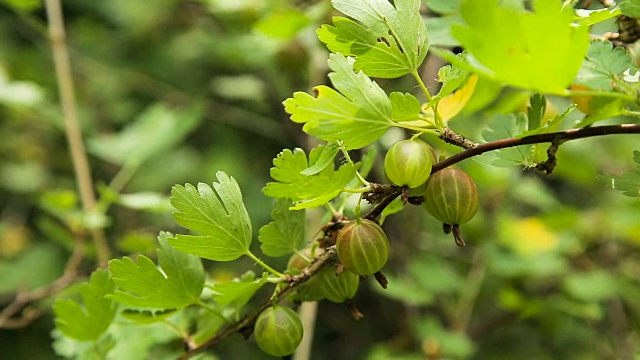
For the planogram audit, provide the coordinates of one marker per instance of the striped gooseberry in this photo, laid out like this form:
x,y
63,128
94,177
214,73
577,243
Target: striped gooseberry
x,y
408,162
363,247
278,331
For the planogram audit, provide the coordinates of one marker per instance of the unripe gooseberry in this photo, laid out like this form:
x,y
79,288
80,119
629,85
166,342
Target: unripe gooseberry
x,y
408,163
338,288
451,196
278,331
363,247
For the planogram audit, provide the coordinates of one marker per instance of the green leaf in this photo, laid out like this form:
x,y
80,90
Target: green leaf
x,y
218,214
540,50
306,191
452,77
404,107
358,115
286,233
367,161
177,284
535,110
603,64
387,42
147,317
283,24
628,183
239,291
444,6
592,17
630,8
551,125
88,322
611,109
508,126
325,159
439,29
161,128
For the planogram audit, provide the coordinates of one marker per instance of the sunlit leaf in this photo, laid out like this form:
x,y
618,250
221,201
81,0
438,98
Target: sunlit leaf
x,y
177,283
218,214
239,291
603,65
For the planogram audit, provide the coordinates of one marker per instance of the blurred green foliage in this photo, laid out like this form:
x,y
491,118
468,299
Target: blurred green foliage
x,y
174,92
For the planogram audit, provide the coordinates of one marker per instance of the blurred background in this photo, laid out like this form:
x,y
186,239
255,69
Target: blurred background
x,y
172,92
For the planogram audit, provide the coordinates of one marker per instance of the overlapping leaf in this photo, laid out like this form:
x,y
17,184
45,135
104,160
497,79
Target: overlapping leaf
x,y
628,183
540,50
286,233
88,322
218,214
358,114
239,291
508,126
387,40
306,191
603,65
142,285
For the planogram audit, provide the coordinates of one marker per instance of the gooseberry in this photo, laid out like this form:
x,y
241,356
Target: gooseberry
x,y
363,247
278,331
408,163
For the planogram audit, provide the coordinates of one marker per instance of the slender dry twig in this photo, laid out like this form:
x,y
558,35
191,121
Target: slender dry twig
x,y
73,130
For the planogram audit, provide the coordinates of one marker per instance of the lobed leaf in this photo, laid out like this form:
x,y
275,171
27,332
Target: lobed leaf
x,y
88,322
603,65
218,214
508,126
357,115
388,40
306,191
286,233
630,8
239,291
178,282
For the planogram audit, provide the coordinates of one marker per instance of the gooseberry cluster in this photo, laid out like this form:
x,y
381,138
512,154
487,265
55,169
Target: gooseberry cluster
x,y
450,195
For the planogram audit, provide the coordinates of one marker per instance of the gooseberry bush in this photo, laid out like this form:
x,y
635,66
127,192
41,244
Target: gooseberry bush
x,y
542,49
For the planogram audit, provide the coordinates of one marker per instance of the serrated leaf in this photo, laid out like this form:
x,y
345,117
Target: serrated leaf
x,y
611,109
540,50
306,191
551,125
90,321
286,233
452,77
178,282
388,40
404,107
603,64
630,8
592,17
218,214
628,183
145,316
508,126
535,110
357,115
237,292
451,105
325,159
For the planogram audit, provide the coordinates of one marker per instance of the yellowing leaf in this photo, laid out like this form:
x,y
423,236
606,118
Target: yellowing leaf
x,y
452,104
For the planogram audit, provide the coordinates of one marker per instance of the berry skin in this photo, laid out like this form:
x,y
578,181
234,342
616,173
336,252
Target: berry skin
x,y
363,248
408,163
278,331
451,196
338,288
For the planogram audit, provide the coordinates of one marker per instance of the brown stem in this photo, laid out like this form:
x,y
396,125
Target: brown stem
x,y
457,235
561,136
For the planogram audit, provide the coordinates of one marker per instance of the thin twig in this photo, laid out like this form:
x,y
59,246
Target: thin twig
x,y
246,321
536,139
73,130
